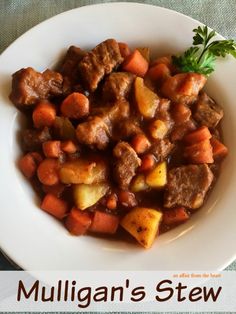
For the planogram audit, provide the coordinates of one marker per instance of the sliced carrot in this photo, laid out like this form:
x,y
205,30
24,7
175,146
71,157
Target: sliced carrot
x,y
148,162
175,216
140,143
199,153
181,113
44,114
54,206
124,50
52,149
69,147
37,157
201,134
75,106
159,72
28,166
136,64
104,223
56,189
48,171
219,149
162,60
78,221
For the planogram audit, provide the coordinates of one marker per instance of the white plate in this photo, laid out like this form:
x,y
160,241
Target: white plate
x,y
36,241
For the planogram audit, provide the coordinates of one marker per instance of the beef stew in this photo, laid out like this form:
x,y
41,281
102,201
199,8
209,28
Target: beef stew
x,y
118,142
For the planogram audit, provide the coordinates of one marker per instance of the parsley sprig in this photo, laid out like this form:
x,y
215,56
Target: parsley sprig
x,y
201,57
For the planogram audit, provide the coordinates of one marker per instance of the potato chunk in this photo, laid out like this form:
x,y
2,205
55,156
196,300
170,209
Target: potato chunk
x,y
142,224
83,171
157,178
147,101
86,195
139,184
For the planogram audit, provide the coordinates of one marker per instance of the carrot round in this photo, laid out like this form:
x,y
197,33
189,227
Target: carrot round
x,y
104,223
52,149
44,115
148,162
198,135
162,60
48,171
68,147
175,216
219,149
28,165
78,221
124,50
199,153
37,157
159,72
54,206
140,143
75,106
136,64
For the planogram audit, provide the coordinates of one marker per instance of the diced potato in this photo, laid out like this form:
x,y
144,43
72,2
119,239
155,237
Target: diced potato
x,y
142,224
145,52
147,101
64,129
139,183
157,178
83,171
158,129
86,195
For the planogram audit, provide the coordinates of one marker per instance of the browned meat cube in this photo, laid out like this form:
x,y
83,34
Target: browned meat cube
x,y
69,67
94,133
117,86
33,139
120,110
126,129
161,149
100,61
29,86
126,163
187,186
207,112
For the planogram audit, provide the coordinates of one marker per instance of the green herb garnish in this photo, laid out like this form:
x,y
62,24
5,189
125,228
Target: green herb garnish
x,y
202,59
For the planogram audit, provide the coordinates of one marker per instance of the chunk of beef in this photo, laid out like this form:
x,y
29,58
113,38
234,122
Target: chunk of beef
x,y
207,111
69,67
115,113
29,86
94,133
181,130
161,149
97,130
33,139
126,164
100,61
126,128
187,186
183,87
117,86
